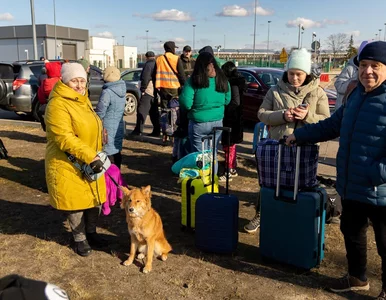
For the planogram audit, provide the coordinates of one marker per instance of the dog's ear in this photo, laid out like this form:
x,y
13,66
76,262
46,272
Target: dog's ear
x,y
146,190
126,196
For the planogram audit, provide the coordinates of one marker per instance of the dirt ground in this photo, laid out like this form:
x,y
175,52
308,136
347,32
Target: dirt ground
x,y
35,239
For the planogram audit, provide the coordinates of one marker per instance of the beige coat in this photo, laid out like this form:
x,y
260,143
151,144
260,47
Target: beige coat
x,y
282,96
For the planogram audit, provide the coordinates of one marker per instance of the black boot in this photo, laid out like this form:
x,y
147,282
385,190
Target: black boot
x,y
83,248
96,240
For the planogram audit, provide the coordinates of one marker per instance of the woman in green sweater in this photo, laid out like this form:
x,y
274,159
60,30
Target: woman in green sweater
x,y
204,97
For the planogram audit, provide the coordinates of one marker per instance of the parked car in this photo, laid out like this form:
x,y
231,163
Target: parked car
x,y
259,81
23,97
331,95
6,80
131,75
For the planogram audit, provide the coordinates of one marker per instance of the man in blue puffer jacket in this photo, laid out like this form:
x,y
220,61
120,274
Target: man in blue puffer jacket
x,y
361,164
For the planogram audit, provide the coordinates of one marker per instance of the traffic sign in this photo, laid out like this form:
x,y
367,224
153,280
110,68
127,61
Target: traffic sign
x,y
315,45
283,56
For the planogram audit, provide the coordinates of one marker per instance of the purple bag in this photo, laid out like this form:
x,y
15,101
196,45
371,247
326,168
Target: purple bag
x,y
267,158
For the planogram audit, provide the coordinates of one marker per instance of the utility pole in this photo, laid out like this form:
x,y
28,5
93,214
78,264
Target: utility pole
x,y
34,30
194,36
147,41
254,33
300,27
268,63
56,46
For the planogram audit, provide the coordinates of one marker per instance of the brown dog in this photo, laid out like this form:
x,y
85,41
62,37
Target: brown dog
x,y
145,227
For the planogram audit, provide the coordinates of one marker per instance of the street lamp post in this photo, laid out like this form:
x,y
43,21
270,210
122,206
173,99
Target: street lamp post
x,y
268,63
254,33
218,50
302,28
26,51
147,41
379,35
384,34
312,44
34,30
55,31
123,40
194,36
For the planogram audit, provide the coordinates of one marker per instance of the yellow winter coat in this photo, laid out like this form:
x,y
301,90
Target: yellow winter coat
x,y
73,127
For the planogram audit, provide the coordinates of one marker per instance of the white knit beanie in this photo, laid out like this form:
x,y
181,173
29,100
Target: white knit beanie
x,y
301,60
71,71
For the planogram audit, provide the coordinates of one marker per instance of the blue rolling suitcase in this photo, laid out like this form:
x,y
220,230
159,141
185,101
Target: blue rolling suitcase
x,y
260,132
217,217
292,222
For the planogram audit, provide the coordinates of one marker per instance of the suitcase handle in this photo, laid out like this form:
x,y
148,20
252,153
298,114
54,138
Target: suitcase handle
x,y
203,139
214,152
297,168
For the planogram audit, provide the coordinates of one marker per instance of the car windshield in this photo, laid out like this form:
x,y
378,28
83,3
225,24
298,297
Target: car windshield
x,y
270,77
132,76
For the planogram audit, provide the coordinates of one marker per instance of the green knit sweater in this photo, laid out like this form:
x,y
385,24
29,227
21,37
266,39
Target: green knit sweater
x,y
204,105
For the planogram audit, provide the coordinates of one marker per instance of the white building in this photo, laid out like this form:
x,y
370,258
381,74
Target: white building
x,y
105,52
101,52
126,57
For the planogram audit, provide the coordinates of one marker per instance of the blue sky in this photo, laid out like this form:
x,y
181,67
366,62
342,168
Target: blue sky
x,y
174,20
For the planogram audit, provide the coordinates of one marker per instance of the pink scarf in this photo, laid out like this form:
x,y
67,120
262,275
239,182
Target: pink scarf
x,y
112,191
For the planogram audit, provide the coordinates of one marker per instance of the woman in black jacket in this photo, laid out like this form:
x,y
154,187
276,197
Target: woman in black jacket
x,y
233,117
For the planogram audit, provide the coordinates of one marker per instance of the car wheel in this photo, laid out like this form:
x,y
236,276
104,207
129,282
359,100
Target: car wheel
x,y
131,104
35,109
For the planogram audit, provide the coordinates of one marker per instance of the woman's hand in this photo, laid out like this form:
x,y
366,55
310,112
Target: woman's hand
x,y
290,140
96,165
301,112
288,116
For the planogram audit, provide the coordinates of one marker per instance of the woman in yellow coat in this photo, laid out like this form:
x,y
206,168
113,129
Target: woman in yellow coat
x,y
73,127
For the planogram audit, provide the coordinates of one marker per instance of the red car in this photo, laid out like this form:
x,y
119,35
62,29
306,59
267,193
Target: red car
x,y
259,81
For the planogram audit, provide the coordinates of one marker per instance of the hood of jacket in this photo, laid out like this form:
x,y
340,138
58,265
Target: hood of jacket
x,y
298,92
238,81
53,69
64,91
117,87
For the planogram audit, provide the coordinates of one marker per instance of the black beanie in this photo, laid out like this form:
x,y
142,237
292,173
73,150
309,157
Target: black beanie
x,y
374,51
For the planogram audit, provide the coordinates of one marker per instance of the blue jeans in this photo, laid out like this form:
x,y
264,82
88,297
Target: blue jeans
x,y
198,131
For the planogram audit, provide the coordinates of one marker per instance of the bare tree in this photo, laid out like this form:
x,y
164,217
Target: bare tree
x,y
337,43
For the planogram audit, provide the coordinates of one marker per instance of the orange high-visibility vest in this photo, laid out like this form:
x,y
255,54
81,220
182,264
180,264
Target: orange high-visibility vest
x,y
165,77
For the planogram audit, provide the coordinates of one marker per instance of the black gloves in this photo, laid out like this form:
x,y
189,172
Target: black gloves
x,y
97,166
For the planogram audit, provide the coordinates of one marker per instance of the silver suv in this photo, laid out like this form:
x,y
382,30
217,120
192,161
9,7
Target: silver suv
x,y
22,80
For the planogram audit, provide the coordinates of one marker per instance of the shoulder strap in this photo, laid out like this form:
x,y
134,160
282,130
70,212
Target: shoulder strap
x,y
350,88
166,58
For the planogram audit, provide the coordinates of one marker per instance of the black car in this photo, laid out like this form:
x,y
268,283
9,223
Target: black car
x,y
25,78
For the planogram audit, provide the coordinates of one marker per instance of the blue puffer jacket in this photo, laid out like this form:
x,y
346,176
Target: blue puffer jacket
x,y
361,158
110,109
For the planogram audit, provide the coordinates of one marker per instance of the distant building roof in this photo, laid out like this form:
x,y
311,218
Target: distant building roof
x,y
43,31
